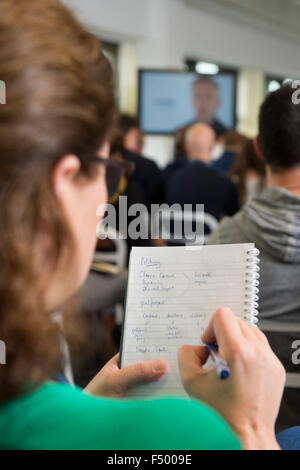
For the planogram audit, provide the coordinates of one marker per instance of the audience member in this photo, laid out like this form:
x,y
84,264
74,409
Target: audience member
x,y
198,183
173,167
222,159
179,145
272,222
147,174
133,137
234,141
180,156
134,191
249,171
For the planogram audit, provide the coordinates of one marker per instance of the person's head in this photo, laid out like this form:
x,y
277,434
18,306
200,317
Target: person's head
x,y
133,137
59,111
249,171
117,147
179,144
235,141
200,140
279,136
206,99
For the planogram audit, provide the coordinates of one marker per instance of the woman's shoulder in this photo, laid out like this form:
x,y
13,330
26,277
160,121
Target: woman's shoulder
x,y
59,417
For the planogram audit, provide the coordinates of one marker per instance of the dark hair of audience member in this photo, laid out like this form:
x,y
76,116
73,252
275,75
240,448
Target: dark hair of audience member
x,y
279,129
247,161
126,122
234,141
179,145
117,146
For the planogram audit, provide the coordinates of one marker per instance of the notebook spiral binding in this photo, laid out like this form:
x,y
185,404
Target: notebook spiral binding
x,y
252,284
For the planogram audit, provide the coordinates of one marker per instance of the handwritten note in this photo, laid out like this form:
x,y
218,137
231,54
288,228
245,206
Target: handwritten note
x,y
172,294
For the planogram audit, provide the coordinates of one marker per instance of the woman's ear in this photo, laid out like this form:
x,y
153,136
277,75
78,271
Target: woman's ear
x,y
258,149
64,175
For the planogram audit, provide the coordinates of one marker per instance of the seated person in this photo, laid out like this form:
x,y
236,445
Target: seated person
x,y
147,174
271,221
249,171
230,145
179,145
173,167
234,141
198,183
135,194
222,160
180,156
47,243
129,128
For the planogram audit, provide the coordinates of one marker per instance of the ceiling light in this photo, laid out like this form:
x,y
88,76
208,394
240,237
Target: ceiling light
x,y
274,85
206,68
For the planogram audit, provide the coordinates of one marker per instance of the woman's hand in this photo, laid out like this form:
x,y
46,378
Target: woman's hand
x,y
250,399
115,382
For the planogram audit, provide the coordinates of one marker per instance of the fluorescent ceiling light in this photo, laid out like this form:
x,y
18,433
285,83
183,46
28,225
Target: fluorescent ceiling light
x,y
207,68
274,85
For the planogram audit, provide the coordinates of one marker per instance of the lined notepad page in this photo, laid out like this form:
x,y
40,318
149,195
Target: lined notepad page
x,y
172,294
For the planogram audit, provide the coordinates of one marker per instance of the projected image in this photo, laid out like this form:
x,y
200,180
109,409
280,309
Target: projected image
x,y
167,101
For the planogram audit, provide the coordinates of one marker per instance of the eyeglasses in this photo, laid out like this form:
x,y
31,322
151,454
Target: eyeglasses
x,y
117,175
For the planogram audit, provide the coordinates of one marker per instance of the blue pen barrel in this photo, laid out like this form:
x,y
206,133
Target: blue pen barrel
x,y
221,366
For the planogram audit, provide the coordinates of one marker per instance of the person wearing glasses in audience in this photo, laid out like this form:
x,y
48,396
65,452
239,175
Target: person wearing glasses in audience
x,y
54,173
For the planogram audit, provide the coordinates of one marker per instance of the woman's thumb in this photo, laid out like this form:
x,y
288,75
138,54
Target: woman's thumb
x,y
141,373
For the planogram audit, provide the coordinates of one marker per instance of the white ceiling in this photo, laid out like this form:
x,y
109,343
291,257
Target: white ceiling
x,y
278,16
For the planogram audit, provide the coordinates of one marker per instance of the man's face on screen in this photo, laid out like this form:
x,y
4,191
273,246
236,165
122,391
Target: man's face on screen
x,y
206,101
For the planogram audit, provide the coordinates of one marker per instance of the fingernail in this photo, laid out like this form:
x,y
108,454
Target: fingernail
x,y
159,366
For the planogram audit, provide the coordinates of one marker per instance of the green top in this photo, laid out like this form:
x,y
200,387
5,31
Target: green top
x,y
59,417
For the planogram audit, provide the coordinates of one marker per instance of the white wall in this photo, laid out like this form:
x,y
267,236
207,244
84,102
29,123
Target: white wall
x,y
119,18
167,30
161,33
237,44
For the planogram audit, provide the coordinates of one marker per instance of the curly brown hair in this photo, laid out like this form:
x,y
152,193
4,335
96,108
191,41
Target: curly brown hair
x,y
60,100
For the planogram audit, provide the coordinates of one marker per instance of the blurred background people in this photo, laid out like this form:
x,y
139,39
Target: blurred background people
x,y
249,171
234,141
146,175
198,182
272,222
132,134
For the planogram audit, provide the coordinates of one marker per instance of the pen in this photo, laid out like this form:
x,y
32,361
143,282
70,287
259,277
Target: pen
x,y
222,368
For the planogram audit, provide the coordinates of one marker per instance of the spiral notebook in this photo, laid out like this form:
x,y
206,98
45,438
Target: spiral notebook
x,y
173,292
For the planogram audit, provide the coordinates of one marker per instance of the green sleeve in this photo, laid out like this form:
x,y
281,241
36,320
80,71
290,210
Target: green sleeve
x,y
58,417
